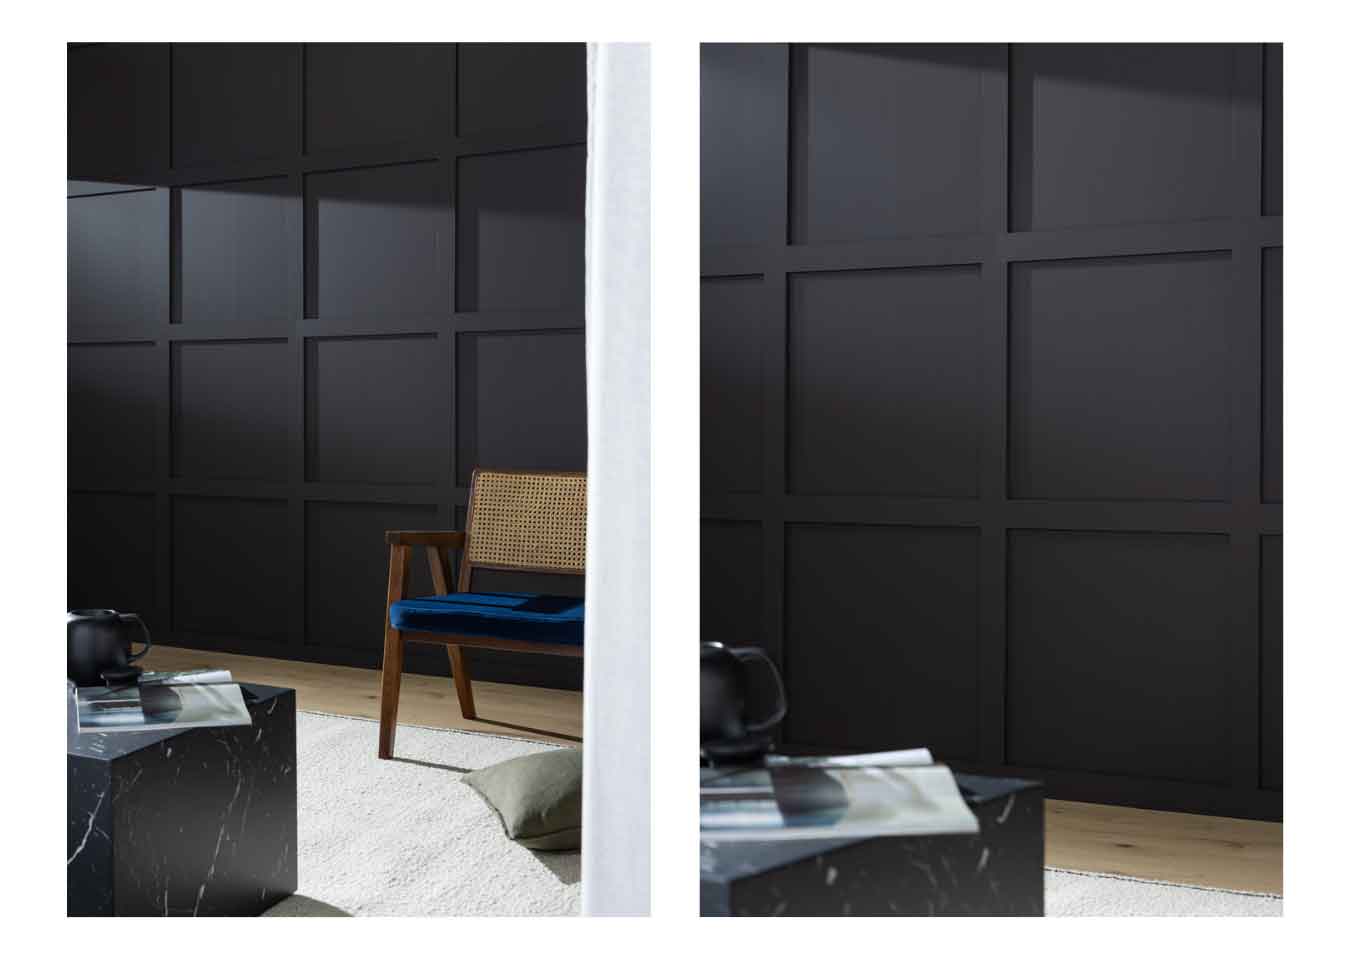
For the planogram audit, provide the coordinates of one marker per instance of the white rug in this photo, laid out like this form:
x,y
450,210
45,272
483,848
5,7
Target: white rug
x,y
404,837
1071,893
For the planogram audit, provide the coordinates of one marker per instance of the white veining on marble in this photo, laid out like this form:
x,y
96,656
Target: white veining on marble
x,y
89,828
1002,818
211,872
128,785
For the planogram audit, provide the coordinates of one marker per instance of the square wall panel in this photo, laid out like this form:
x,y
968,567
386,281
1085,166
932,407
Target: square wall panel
x,y
731,578
521,401
882,644
521,234
894,357
238,260
376,94
518,87
1120,133
234,101
743,143
117,108
1272,135
377,410
1272,662
886,140
117,266
377,244
347,570
1117,382
231,567
112,395
110,553
1272,374
1118,645
232,409
733,315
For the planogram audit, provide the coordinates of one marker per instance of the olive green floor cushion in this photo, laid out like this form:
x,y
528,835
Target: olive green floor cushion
x,y
538,798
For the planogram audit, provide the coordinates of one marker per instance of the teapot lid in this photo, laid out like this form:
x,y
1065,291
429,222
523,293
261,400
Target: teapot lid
x,y
89,614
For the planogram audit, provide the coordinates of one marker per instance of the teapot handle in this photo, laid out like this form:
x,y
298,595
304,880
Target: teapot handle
x,y
135,618
779,712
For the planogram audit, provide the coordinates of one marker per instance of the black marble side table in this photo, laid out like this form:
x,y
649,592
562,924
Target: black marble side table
x,y
195,822
997,872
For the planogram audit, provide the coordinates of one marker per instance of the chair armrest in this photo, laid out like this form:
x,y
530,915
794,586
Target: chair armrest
x,y
451,539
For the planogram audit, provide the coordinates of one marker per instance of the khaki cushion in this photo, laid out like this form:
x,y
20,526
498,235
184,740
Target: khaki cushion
x,y
538,798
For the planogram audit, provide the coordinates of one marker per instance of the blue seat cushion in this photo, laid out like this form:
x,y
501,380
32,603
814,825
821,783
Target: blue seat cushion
x,y
506,616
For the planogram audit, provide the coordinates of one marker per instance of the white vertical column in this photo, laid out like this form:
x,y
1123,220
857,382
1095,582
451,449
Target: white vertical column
x,y
616,815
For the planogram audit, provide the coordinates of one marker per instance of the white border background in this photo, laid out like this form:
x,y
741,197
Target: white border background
x,y
1317,401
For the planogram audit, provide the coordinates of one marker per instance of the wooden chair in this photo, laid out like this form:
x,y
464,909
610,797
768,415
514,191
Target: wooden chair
x,y
517,520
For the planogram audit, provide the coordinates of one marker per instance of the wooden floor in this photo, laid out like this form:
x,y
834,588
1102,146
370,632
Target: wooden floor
x,y
533,712
1178,847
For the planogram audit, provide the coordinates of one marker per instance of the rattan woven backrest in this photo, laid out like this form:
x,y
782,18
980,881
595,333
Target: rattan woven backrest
x,y
527,521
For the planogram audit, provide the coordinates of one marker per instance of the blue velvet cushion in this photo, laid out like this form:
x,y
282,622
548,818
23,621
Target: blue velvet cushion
x,y
507,616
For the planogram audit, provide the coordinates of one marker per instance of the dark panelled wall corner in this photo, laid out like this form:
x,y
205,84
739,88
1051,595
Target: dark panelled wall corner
x,y
311,287
991,405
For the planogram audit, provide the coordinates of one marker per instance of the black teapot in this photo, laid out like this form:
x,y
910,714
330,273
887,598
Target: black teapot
x,y
727,735
98,647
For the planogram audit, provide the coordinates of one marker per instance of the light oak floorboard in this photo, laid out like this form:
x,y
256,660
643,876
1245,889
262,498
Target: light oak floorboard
x,y
1155,845
1158,845
504,708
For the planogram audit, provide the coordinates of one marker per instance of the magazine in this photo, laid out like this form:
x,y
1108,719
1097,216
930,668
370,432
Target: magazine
x,y
163,701
787,800
919,757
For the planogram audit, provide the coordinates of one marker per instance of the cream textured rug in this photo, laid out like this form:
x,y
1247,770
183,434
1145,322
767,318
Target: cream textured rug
x,y
1071,893
404,837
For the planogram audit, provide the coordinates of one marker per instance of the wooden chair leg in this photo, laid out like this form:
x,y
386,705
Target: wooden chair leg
x,y
463,688
391,675
391,680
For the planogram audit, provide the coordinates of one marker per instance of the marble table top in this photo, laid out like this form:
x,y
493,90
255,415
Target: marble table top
x,y
112,746
720,860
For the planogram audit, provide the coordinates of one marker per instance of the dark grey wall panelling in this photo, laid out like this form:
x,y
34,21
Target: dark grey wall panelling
x,y
521,230
377,243
528,88
311,286
230,574
1272,662
234,101
732,311
236,265
731,583
1272,374
1097,679
413,97
110,548
1128,348
500,372
111,406
229,409
1122,133
117,278
913,406
117,109
991,404
743,147
857,171
850,585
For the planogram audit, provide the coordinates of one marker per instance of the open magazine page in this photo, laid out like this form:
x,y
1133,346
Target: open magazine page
x,y
811,802
918,757
180,677
160,706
